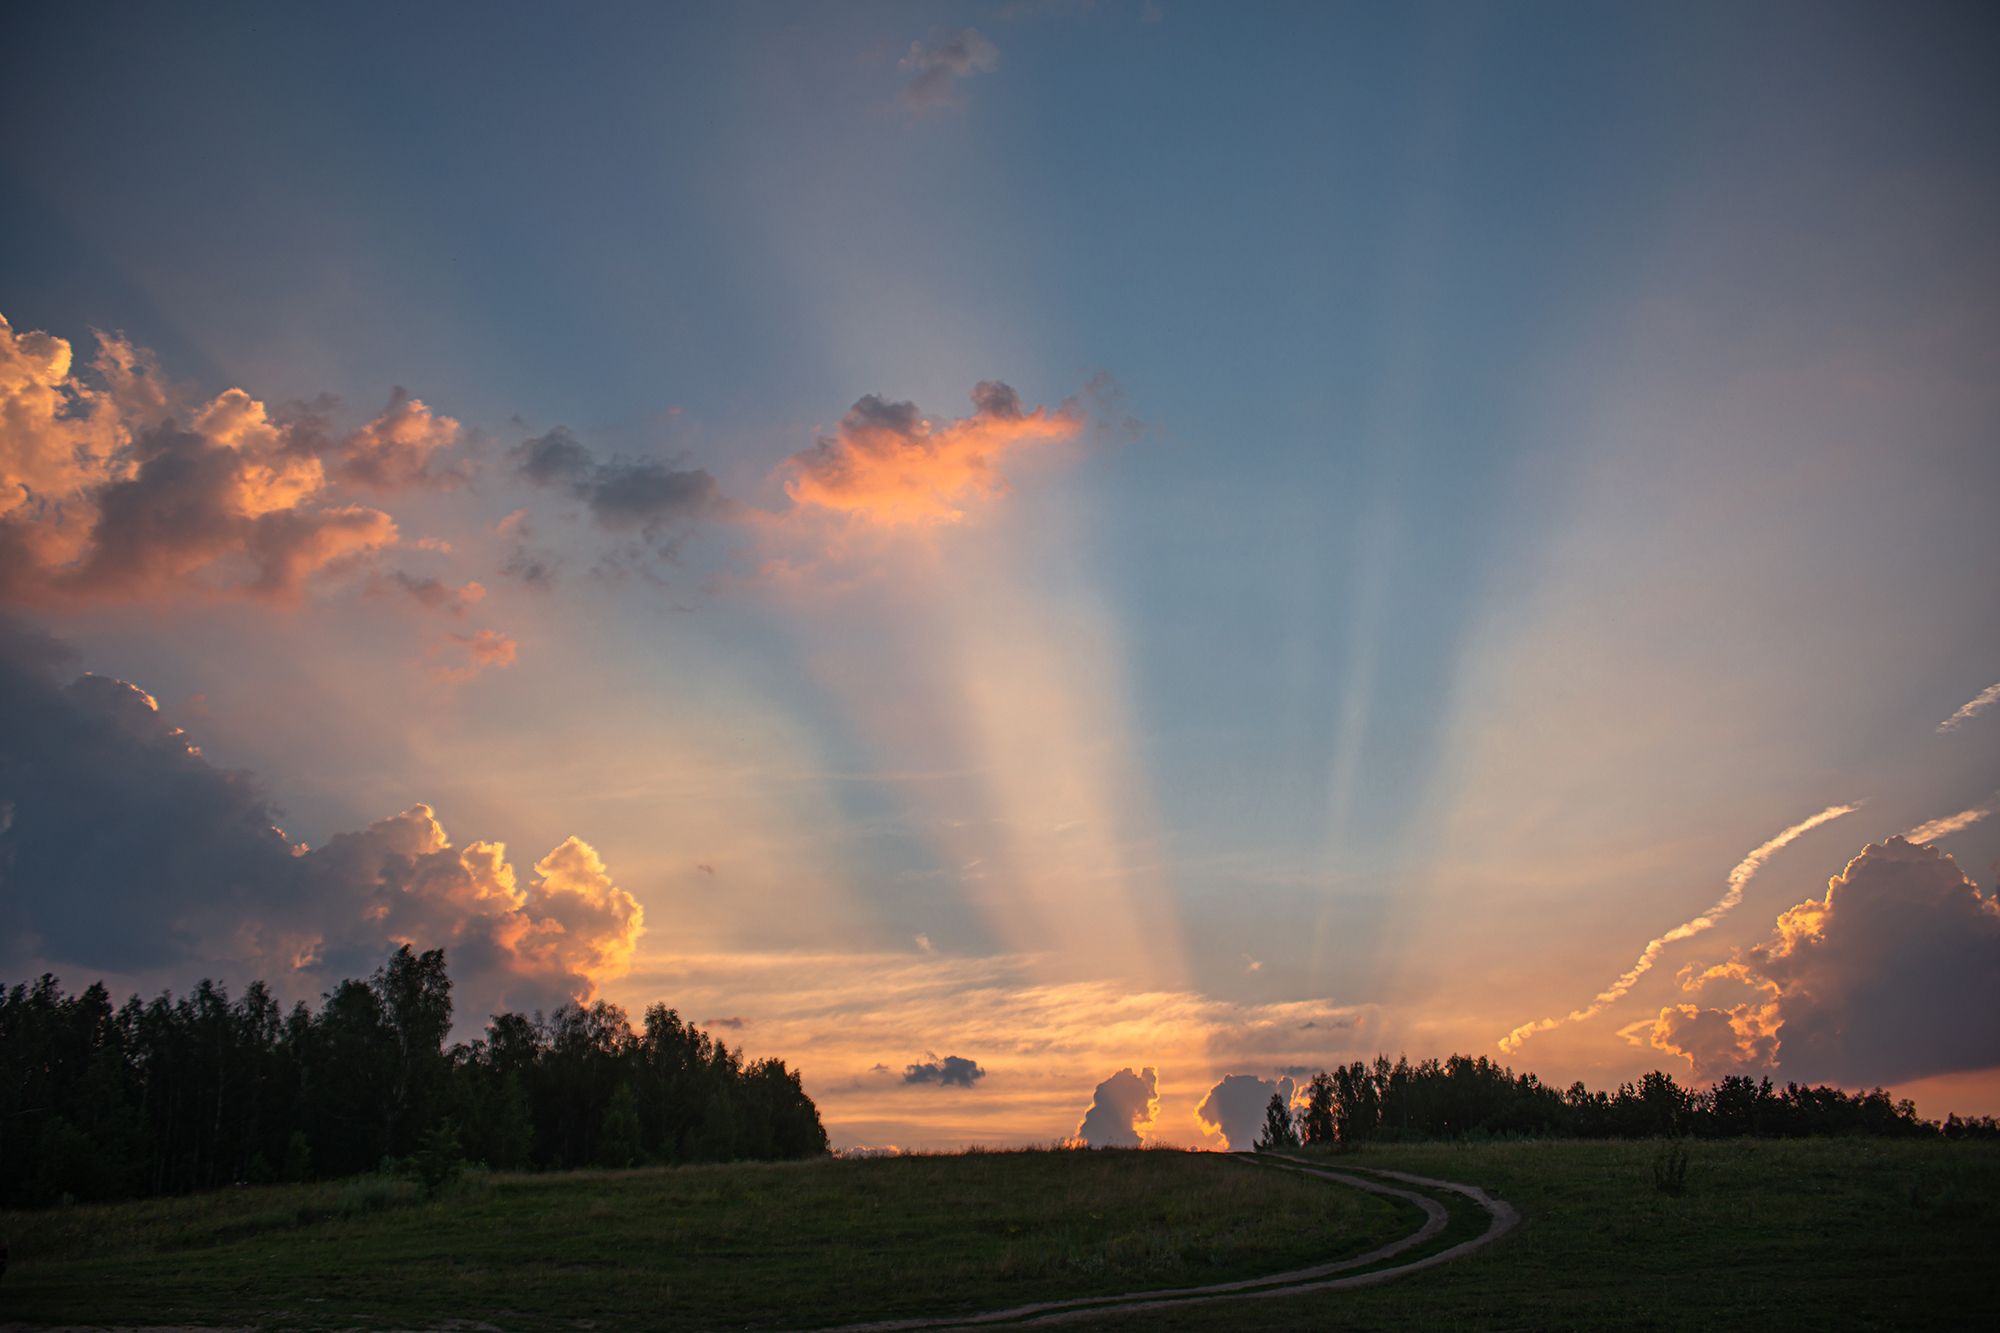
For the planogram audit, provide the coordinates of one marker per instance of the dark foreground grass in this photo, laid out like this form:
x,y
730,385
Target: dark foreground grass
x,y
1826,1233
744,1246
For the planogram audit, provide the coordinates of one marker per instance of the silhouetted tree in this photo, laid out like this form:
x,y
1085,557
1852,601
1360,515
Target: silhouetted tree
x,y
1278,1131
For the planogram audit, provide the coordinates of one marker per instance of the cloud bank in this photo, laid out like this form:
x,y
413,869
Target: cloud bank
x,y
123,848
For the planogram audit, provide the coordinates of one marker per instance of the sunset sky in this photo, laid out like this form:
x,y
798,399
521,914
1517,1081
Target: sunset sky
x,y
976,547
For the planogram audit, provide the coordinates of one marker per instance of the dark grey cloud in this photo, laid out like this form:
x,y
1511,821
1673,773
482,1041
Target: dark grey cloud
x,y
1236,1106
123,849
731,1023
644,496
951,1072
1121,1110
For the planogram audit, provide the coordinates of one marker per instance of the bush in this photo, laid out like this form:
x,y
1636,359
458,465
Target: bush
x,y
1670,1168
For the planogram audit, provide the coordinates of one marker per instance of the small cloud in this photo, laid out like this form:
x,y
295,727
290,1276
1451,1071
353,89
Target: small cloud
x,y
950,1072
924,944
937,67
705,868
1971,708
892,466
644,495
730,1022
481,649
1252,964
1234,1108
1948,825
1122,1110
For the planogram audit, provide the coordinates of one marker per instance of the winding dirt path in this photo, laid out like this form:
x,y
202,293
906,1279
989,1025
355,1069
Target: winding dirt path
x,y
1501,1216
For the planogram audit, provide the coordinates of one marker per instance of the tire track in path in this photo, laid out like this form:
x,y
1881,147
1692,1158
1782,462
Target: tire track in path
x,y
1337,1275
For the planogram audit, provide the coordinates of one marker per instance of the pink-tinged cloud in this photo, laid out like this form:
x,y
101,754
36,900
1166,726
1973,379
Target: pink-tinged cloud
x,y
1122,1110
399,450
114,489
1739,878
1893,975
890,465
476,652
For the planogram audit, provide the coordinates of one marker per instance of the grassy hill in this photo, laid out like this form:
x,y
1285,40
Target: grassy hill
x,y
1820,1233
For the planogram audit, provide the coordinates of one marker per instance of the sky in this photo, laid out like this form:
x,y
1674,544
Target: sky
x,y
1053,565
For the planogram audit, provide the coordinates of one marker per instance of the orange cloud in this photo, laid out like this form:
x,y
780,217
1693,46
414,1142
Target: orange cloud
x,y
561,936
398,449
109,491
483,649
1739,878
1891,976
888,464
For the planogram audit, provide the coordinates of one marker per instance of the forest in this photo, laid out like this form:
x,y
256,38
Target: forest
x,y
1463,1097
172,1095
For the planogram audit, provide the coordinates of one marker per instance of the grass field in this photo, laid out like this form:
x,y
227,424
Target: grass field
x,y
1815,1234
1823,1233
761,1246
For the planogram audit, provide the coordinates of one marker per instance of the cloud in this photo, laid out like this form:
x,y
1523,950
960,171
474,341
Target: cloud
x,y
888,464
1893,975
115,487
1948,825
1234,1108
125,849
950,1072
1122,1110
938,65
1745,871
433,594
1971,708
399,449
645,496
731,1022
478,651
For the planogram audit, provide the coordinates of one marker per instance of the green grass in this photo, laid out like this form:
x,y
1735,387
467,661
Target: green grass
x,y
756,1246
1819,1234
1828,1233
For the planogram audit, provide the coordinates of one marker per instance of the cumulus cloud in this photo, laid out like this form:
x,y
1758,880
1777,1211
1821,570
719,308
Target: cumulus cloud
x,y
1122,1110
1739,878
400,448
1971,708
889,464
126,849
117,486
937,66
643,496
1234,1108
950,1072
1893,975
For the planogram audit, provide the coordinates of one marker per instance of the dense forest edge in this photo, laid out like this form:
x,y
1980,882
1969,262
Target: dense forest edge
x,y
173,1095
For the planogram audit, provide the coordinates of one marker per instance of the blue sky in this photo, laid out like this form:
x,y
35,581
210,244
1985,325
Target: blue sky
x,y
1534,455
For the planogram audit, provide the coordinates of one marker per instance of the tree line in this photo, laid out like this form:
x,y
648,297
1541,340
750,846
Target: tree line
x,y
1463,1097
170,1095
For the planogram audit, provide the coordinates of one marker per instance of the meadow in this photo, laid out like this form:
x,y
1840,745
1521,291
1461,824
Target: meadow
x,y
1846,1233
